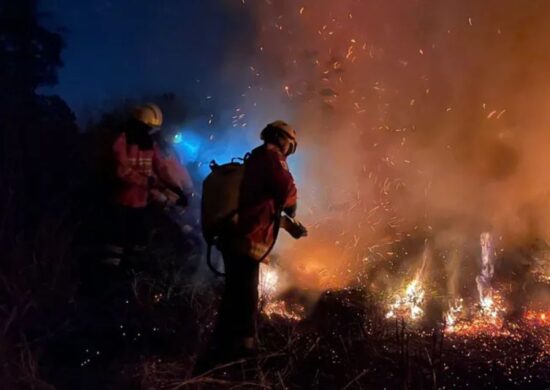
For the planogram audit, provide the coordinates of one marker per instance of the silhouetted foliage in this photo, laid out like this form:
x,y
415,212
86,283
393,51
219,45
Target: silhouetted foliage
x,y
37,133
29,54
38,159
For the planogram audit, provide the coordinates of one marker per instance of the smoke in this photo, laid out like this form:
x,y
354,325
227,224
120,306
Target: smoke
x,y
416,119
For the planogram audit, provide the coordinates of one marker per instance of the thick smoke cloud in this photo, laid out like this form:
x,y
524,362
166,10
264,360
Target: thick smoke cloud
x,y
416,118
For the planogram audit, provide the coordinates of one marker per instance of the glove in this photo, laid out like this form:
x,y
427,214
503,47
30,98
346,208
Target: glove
x,y
294,228
291,210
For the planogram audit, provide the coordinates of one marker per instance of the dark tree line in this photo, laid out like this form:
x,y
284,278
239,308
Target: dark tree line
x,y
37,132
38,148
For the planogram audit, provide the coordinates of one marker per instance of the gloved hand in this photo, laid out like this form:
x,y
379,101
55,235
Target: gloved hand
x,y
291,210
293,227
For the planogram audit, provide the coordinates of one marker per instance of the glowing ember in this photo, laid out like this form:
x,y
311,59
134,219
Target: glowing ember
x,y
537,318
409,304
280,308
488,319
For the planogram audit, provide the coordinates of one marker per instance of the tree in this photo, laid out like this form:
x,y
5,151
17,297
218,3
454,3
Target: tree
x,y
29,54
36,132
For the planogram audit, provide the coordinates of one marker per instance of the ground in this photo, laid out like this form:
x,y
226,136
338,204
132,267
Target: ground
x,y
145,328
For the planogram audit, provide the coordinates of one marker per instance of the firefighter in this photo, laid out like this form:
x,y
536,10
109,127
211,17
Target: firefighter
x,y
267,190
142,176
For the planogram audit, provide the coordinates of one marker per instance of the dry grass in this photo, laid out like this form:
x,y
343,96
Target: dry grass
x,y
49,332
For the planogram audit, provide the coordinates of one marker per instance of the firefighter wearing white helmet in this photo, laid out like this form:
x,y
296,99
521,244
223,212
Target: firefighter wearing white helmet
x,y
266,201
281,134
142,176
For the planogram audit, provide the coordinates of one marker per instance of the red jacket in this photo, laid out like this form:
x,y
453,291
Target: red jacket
x,y
267,186
133,169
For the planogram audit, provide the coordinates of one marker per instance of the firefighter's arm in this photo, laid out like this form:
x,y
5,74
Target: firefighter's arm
x,y
160,167
124,170
169,181
284,189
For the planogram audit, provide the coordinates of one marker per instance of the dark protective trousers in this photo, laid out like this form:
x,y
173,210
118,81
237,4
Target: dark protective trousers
x,y
239,308
129,227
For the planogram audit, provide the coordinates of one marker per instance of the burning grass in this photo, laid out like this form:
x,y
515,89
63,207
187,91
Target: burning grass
x,y
409,303
345,339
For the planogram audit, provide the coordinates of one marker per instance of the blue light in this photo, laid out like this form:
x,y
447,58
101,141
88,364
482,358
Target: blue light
x,y
188,144
197,149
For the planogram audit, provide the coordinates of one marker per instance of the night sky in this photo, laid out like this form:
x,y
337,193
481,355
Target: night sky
x,y
130,48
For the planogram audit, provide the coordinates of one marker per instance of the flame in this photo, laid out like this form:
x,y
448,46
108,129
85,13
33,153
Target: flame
x,y
452,316
537,317
489,315
317,264
280,308
487,319
269,280
269,287
409,304
489,309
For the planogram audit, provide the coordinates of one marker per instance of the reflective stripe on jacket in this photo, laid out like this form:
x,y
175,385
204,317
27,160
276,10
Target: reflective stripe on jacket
x,y
133,169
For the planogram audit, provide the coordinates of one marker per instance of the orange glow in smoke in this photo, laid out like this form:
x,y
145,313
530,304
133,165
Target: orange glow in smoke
x,y
317,266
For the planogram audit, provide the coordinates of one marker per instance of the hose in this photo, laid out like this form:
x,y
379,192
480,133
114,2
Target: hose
x,y
276,226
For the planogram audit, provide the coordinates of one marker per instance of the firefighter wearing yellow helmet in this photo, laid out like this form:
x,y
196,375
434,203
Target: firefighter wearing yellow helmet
x,y
149,114
141,175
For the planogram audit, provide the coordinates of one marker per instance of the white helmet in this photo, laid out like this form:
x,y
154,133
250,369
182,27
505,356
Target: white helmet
x,y
149,114
281,128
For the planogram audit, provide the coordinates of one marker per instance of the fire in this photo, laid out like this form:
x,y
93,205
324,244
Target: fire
x,y
269,280
318,264
280,308
537,318
452,316
409,304
271,306
487,319
489,309
483,280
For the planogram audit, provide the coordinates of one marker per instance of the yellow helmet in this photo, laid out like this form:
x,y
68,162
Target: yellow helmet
x,y
149,114
281,128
